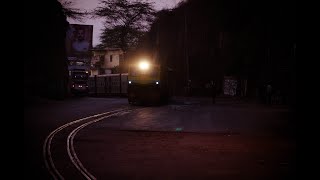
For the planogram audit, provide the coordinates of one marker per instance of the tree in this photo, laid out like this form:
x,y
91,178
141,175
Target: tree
x,y
71,12
113,37
125,21
45,59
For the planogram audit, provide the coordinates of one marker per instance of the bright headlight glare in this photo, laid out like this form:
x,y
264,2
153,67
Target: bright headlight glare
x,y
129,82
144,65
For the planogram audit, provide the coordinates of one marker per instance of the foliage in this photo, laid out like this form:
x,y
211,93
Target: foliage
x,y
125,21
71,12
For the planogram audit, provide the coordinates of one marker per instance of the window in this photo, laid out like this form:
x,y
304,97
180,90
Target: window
x,y
110,58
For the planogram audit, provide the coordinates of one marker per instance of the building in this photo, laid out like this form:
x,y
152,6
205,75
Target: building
x,y
106,61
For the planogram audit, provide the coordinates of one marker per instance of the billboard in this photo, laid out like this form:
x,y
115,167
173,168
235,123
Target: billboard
x,y
79,42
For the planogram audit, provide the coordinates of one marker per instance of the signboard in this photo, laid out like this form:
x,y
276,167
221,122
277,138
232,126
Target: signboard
x,y
230,86
79,42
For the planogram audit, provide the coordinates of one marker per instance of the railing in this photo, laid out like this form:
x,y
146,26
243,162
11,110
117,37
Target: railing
x,y
108,84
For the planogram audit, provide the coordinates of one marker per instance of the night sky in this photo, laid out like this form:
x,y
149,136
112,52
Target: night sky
x,y
97,23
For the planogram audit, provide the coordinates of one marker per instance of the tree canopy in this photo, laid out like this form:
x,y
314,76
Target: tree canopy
x,y
124,21
71,12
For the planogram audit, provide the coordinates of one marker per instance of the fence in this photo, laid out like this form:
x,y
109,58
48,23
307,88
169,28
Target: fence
x,y
108,84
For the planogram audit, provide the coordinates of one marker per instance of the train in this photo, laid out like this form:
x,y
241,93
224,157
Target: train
x,y
145,82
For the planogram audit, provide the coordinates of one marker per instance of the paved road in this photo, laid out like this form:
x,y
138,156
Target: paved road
x,y
189,138
43,116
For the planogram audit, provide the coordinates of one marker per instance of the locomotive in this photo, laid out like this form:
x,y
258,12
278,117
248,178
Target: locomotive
x,y
147,83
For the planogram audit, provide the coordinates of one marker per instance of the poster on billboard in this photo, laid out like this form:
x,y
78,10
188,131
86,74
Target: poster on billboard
x,y
230,86
79,42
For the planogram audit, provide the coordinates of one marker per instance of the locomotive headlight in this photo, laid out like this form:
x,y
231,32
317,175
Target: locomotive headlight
x,y
144,65
130,82
157,82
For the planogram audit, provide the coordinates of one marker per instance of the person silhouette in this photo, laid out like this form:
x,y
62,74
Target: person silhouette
x,y
269,91
213,91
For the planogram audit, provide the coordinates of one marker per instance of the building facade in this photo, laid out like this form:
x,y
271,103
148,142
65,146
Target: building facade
x,y
106,61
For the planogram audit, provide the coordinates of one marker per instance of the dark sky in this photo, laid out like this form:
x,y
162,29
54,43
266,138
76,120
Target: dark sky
x,y
97,23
